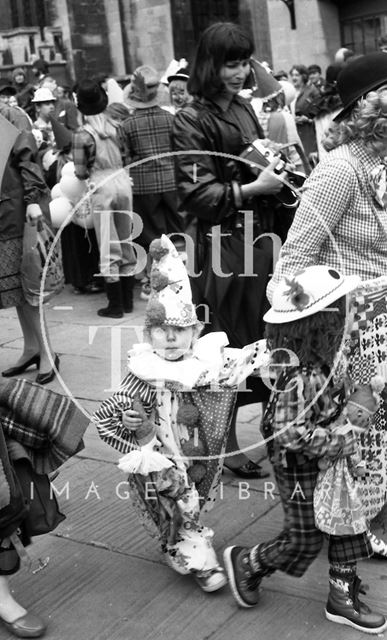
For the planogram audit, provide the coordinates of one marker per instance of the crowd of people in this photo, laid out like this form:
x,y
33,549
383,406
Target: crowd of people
x,y
223,159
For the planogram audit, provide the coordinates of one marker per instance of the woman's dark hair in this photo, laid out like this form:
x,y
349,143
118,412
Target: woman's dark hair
x,y
302,70
219,43
314,339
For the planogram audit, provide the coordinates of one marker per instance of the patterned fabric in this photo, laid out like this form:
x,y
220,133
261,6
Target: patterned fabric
x,y
303,415
300,542
170,509
339,221
108,418
47,424
83,150
367,358
215,410
338,504
147,132
11,294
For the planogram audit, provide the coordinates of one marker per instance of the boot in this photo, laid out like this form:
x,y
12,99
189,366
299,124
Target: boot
x,y
344,606
115,308
127,284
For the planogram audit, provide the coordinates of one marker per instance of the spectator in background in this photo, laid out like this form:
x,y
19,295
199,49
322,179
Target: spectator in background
x,y
178,92
24,195
40,70
147,131
65,110
6,90
24,90
382,42
329,107
97,156
44,102
281,75
305,107
342,55
315,78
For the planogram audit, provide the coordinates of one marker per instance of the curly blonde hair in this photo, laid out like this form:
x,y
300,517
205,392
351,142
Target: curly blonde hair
x,y
366,122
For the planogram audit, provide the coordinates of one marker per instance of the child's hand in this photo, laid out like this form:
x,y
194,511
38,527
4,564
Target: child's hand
x,y
131,419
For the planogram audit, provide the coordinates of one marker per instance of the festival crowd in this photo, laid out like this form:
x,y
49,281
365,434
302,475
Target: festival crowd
x,y
248,206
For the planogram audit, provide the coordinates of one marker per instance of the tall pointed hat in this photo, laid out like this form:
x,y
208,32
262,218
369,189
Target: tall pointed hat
x,y
171,298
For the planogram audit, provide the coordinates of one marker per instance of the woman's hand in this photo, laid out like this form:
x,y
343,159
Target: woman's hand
x,y
33,214
267,183
131,419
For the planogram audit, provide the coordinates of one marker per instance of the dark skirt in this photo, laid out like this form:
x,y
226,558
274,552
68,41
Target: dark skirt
x,y
11,294
80,255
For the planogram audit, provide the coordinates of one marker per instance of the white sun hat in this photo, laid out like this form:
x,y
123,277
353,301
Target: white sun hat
x,y
43,95
308,291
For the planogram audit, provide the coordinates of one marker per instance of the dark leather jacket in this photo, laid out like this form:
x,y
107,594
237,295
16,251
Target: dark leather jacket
x,y
205,181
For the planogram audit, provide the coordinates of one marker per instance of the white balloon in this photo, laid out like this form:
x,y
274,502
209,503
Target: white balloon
x,y
68,169
60,208
56,192
72,188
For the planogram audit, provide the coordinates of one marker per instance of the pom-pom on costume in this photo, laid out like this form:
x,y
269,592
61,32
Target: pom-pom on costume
x,y
190,402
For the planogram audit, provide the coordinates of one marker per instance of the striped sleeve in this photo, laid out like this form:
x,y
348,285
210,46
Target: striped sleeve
x,y
108,418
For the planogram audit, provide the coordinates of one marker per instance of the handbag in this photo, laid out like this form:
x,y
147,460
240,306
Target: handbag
x,y
338,508
37,242
13,506
43,513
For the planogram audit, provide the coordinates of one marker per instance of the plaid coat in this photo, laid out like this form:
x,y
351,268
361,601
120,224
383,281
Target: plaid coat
x,y
146,133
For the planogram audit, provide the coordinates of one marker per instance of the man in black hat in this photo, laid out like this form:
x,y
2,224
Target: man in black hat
x,y
6,90
177,85
14,114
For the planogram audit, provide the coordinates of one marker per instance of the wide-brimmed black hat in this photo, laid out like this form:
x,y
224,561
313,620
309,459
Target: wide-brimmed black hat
x,y
6,87
91,98
358,77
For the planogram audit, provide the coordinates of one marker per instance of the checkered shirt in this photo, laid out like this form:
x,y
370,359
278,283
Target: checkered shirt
x,y
339,221
146,133
303,420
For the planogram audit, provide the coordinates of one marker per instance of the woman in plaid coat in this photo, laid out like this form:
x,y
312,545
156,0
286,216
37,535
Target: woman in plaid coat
x,y
308,320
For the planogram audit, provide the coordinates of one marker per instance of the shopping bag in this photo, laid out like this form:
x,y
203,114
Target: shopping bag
x,y
37,241
338,508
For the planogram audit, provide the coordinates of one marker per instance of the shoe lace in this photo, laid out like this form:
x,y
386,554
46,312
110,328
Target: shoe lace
x,y
251,581
357,588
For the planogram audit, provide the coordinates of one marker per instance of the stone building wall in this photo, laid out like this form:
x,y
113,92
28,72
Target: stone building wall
x,y
315,39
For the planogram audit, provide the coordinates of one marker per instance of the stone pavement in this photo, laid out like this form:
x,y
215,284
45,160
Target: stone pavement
x,y
105,579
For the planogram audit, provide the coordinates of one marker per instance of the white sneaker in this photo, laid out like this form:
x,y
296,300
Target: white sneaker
x,y
211,580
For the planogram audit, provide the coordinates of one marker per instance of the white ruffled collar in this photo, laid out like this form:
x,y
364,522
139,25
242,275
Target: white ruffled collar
x,y
204,362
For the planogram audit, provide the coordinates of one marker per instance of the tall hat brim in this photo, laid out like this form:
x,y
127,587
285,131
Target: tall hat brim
x,y
265,86
358,77
62,135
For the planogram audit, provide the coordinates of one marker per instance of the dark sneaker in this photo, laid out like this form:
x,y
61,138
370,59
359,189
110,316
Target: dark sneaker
x,y
244,582
344,606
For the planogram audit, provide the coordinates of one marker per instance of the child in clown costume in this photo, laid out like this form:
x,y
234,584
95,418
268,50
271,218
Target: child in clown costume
x,y
170,416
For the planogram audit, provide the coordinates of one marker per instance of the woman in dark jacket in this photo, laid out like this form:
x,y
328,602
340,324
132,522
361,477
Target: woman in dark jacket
x,y
216,187
23,196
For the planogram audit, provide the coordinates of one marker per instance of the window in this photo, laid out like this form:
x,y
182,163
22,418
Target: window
x,y
362,34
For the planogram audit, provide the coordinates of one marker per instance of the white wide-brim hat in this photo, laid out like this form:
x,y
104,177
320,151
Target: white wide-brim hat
x,y
308,291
